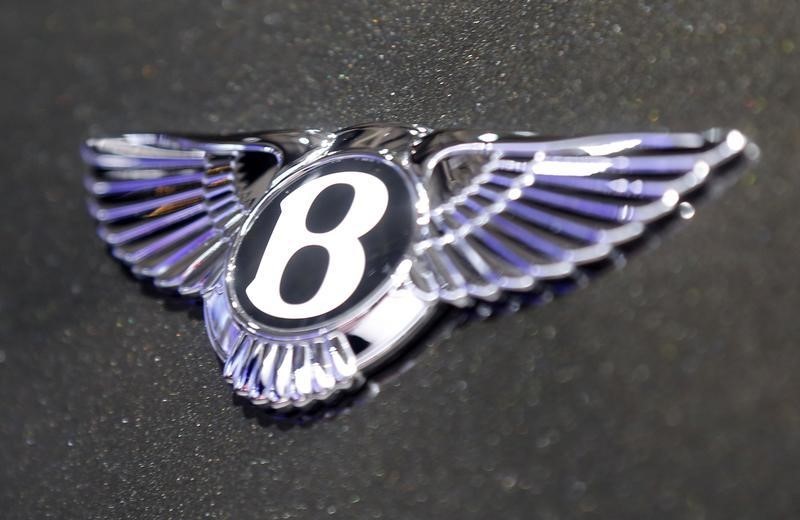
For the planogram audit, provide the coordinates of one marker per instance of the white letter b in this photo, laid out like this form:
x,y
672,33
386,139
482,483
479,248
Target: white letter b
x,y
345,253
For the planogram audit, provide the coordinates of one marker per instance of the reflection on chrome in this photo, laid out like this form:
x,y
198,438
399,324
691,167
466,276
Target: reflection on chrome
x,y
493,216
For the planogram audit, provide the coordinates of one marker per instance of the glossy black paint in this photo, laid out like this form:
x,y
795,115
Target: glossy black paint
x,y
667,389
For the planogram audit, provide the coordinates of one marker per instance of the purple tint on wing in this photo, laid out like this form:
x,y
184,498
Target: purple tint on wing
x,y
500,180
214,205
215,192
180,254
554,223
501,250
112,161
581,206
613,187
237,359
656,164
668,140
585,166
136,208
529,239
113,187
541,218
167,240
474,206
147,227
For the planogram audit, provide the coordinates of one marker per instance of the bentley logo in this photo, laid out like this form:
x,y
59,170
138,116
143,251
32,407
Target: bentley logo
x,y
318,255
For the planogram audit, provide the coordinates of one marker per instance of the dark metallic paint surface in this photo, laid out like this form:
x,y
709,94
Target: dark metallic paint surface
x,y
667,389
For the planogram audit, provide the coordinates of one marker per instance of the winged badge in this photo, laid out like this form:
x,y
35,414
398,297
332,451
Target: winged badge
x,y
318,255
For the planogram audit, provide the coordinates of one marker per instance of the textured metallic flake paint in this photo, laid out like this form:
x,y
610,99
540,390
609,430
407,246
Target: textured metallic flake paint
x,y
665,390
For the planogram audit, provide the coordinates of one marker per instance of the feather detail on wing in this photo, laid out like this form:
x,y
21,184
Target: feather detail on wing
x,y
168,205
276,372
514,212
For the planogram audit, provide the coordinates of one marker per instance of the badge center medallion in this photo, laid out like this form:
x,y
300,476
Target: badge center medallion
x,y
323,245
